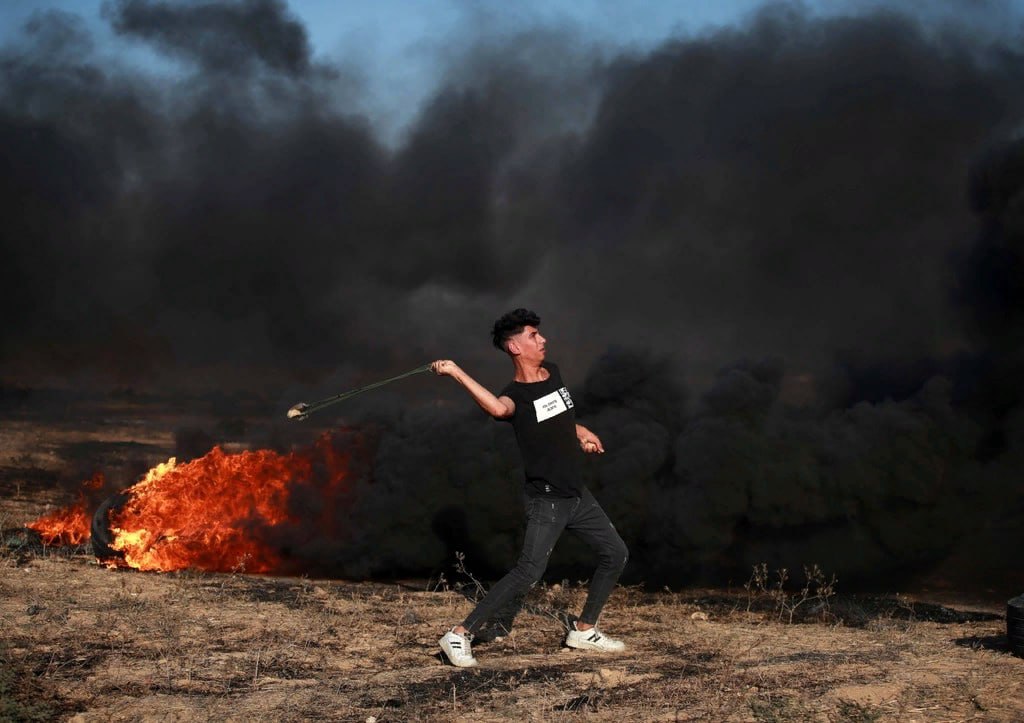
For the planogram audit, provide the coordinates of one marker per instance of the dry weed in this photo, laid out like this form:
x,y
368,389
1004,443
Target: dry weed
x,y
113,645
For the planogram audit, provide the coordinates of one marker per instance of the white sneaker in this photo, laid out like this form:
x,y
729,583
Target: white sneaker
x,y
593,639
457,648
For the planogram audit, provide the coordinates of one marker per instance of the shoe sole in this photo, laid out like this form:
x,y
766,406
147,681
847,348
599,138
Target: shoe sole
x,y
463,665
451,660
599,649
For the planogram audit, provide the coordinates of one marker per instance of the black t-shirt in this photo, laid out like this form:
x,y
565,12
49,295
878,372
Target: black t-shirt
x,y
545,425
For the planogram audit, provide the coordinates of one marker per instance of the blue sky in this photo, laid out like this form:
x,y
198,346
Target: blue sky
x,y
394,27
386,32
395,44
395,48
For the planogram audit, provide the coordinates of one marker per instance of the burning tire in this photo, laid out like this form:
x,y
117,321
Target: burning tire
x,y
99,531
1015,625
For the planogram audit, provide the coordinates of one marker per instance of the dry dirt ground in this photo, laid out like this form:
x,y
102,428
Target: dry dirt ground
x,y
84,643
81,642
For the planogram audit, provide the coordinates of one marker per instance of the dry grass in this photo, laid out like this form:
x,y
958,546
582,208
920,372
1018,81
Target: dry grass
x,y
84,643
81,642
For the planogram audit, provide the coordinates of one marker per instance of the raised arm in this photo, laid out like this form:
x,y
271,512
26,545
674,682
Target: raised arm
x,y
497,407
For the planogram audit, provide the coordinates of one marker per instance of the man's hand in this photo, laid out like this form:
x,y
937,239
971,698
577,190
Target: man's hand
x,y
444,367
589,442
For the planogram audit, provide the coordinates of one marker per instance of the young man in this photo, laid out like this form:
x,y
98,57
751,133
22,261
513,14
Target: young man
x,y
541,411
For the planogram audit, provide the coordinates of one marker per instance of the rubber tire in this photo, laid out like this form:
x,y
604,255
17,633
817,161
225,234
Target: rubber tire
x,y
99,530
1015,625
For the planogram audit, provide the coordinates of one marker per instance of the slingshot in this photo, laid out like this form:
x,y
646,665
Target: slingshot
x,y
304,409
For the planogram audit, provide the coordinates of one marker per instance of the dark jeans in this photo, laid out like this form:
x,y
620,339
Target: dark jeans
x,y
547,518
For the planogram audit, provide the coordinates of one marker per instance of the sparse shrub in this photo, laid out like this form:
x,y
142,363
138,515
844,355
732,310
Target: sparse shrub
x,y
474,590
440,585
813,598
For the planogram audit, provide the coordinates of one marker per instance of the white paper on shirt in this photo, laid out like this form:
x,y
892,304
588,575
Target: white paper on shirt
x,y
548,406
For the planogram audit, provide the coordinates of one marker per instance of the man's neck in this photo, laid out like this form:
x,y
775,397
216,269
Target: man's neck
x,y
528,372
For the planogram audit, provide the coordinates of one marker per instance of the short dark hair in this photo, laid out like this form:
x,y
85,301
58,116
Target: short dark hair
x,y
511,324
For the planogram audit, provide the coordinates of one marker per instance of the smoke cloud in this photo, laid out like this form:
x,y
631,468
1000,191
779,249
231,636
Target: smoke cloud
x,y
837,199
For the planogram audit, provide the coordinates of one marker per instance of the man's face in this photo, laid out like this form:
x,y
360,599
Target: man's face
x,y
528,343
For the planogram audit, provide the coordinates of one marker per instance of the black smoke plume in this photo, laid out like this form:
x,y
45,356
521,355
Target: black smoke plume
x,y
837,196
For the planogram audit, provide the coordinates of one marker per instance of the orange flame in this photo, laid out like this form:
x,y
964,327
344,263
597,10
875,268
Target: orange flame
x,y
70,525
219,512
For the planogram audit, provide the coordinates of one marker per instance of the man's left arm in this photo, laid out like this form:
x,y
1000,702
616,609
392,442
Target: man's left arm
x,y
589,442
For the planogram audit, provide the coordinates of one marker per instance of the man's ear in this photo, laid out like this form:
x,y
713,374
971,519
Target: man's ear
x,y
513,348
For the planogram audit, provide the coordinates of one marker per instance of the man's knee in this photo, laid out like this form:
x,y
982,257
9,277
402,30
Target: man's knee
x,y
616,554
623,555
529,570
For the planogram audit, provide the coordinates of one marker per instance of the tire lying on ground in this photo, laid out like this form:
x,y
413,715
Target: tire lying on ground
x,y
1015,625
99,531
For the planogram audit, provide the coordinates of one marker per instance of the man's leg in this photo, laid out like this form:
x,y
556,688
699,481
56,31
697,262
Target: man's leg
x,y
592,524
546,519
